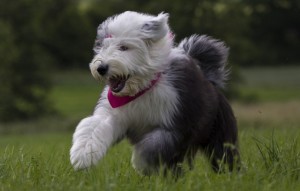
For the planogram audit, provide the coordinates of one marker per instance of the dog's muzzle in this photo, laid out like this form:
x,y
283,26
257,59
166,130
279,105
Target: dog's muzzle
x,y
102,67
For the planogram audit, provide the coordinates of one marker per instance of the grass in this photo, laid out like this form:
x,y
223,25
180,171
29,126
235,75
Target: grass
x,y
270,84
75,92
35,154
41,162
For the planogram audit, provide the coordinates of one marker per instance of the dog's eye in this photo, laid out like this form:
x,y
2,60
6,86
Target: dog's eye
x,y
123,48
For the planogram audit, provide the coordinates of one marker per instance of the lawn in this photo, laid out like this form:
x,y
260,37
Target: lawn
x,y
35,154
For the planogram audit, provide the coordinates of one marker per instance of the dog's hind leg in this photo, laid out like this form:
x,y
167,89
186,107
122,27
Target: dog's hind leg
x,y
223,147
190,155
159,147
222,154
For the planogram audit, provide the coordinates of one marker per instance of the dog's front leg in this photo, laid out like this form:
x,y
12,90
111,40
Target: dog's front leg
x,y
92,137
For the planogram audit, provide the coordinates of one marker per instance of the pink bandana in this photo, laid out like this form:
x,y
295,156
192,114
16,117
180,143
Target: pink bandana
x,y
116,101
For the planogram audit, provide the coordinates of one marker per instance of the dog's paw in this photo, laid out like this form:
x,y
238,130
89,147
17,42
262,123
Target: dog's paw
x,y
140,165
87,148
83,157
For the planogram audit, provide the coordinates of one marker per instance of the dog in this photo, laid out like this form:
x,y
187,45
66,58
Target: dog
x,y
165,99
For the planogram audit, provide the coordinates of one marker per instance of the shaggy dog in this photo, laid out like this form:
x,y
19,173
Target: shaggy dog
x,y
164,99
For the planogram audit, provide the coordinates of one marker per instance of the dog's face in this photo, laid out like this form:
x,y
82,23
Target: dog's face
x,y
129,50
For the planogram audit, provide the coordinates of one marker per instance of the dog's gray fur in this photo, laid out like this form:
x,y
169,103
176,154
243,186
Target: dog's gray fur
x,y
182,113
205,120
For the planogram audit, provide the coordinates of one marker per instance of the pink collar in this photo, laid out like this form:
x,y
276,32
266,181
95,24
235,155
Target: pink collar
x,y
116,101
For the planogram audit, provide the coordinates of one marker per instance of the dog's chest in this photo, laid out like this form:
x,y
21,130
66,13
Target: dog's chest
x,y
144,121
155,109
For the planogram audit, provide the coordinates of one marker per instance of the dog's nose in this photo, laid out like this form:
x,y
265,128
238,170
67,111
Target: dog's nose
x,y
102,69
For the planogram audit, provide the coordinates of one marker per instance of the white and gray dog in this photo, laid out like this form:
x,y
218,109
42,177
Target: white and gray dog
x,y
164,99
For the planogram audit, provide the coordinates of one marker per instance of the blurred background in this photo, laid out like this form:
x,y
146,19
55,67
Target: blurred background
x,y
46,46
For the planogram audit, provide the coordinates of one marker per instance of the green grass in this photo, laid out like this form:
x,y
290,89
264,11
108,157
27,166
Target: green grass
x,y
270,84
35,154
280,77
75,93
41,162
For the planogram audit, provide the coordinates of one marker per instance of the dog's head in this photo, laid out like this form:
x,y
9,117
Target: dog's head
x,y
130,49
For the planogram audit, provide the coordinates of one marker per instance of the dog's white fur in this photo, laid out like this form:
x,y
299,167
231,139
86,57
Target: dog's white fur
x,y
95,134
163,122
148,49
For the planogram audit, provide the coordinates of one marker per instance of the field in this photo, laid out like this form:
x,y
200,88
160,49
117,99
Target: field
x,y
35,154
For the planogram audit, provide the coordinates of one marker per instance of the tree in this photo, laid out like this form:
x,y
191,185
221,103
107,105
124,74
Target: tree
x,y
275,31
24,79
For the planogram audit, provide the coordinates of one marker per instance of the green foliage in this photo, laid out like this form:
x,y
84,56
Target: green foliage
x,y
59,28
35,37
275,31
38,35
24,82
258,32
68,34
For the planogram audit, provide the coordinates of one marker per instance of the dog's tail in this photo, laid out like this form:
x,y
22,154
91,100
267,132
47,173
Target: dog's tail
x,y
211,54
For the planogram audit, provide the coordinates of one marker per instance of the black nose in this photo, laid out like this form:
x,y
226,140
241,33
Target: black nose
x,y
102,69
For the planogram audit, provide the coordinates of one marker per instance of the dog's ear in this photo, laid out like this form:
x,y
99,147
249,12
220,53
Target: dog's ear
x,y
156,28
